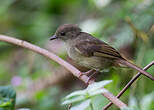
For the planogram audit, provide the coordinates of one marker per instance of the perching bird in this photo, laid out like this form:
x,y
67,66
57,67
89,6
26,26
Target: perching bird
x,y
89,51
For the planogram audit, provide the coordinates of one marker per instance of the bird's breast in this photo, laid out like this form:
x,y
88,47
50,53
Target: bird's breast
x,y
92,62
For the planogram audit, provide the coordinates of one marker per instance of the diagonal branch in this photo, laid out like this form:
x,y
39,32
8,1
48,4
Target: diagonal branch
x,y
129,84
68,66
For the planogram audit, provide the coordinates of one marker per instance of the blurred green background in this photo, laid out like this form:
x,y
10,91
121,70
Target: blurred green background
x,y
127,25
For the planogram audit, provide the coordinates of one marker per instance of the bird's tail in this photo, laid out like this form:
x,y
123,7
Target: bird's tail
x,y
131,65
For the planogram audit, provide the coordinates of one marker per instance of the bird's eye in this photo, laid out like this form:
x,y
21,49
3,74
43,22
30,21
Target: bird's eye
x,y
62,33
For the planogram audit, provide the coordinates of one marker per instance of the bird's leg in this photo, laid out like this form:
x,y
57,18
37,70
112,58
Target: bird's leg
x,y
87,73
91,73
92,76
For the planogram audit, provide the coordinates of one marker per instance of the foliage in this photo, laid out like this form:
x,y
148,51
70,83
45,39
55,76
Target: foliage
x,y
86,95
144,104
7,98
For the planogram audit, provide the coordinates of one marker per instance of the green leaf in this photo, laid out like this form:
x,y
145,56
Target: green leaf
x,y
99,102
82,106
97,85
7,98
76,93
5,104
92,90
147,101
128,108
76,99
133,102
99,91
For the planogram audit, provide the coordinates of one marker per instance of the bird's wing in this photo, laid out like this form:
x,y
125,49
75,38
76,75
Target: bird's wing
x,y
97,48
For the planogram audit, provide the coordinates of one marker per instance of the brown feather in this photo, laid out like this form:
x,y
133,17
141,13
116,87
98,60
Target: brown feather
x,y
95,47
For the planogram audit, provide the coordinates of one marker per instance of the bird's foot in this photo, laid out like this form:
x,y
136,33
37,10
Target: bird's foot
x,y
91,74
86,73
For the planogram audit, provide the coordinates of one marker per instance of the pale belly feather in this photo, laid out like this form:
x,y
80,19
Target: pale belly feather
x,y
92,62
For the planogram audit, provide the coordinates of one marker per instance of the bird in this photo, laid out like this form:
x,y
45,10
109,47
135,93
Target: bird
x,y
90,52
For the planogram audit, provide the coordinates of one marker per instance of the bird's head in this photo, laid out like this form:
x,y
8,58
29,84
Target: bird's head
x,y
66,32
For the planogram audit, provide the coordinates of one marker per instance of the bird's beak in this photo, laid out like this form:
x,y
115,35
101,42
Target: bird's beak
x,y
53,37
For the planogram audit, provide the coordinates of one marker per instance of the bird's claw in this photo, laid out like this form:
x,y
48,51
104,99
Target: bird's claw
x,y
90,77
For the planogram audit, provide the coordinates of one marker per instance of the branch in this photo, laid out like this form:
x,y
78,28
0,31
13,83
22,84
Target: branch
x,y
57,59
129,84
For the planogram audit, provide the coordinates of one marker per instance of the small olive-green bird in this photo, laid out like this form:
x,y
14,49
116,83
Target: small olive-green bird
x,y
89,51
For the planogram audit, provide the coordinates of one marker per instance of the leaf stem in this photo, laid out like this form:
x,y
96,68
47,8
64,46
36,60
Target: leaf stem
x,y
91,106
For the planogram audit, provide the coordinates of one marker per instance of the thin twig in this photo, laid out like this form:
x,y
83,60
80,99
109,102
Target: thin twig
x,y
68,66
129,84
